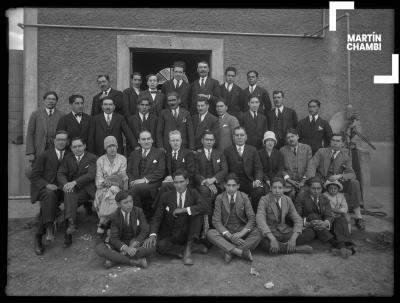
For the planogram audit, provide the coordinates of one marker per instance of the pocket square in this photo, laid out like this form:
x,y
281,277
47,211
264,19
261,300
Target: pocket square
x,y
137,221
225,125
183,160
86,166
167,208
320,128
155,161
184,120
218,160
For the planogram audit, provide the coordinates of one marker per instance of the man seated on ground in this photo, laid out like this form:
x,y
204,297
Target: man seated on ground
x,y
319,222
273,211
76,177
178,220
211,168
146,169
333,163
234,222
45,188
129,229
296,157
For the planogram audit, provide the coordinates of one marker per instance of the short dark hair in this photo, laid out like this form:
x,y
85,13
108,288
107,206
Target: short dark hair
x,y
61,131
231,176
203,61
292,131
107,98
203,99
136,74
221,100
122,195
72,98
341,135
173,93
277,179
78,138
150,75
145,130
275,92
50,93
315,101
143,97
230,69
239,127
180,172
179,64
254,97
105,76
208,132
314,180
252,71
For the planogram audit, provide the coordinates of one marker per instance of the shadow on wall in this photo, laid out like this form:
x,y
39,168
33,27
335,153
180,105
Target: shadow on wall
x,y
382,164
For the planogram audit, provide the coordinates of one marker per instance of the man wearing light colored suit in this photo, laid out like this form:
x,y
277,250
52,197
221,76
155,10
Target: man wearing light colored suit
x,y
253,90
234,222
232,93
178,84
157,98
42,127
226,125
130,95
202,122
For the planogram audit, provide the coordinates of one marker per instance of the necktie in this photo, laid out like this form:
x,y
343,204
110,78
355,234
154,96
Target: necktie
x,y
175,155
251,89
180,201
231,203
317,205
240,151
294,150
177,84
61,155
202,83
279,114
143,154
279,210
50,112
331,165
175,113
126,220
78,159
255,115
208,154
313,121
230,87
108,119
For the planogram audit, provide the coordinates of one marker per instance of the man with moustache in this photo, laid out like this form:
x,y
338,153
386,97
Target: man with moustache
x,y
254,90
106,91
178,84
130,95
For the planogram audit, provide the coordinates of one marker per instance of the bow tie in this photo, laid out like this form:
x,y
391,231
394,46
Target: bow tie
x,y
153,92
78,115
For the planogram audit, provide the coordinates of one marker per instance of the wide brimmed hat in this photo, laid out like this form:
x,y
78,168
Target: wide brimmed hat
x,y
327,183
269,135
110,140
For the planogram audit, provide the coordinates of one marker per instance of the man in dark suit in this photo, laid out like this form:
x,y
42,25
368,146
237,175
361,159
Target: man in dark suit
x,y
106,91
313,130
45,188
108,123
130,95
174,118
76,123
142,120
178,84
178,221
76,178
157,98
254,123
129,229
204,121
281,118
243,160
205,87
231,93
146,169
234,222
253,90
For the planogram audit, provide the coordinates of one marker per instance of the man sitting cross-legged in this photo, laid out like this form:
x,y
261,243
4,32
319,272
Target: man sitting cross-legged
x,y
234,221
129,229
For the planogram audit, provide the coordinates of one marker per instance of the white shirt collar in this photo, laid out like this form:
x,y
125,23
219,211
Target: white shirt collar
x,y
205,80
107,91
183,198
228,86
203,116
141,115
48,110
252,113
242,147
206,150
310,117
177,81
234,197
58,152
280,202
175,151
147,151
136,90
254,87
124,214
81,156
335,153
105,115
279,108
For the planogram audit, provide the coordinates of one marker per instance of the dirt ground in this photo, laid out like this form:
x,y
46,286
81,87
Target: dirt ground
x,y
77,270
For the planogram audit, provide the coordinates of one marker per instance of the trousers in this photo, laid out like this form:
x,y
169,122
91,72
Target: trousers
x,y
251,240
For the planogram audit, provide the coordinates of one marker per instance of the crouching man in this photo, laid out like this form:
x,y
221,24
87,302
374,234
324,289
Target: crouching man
x,y
234,221
129,229
273,210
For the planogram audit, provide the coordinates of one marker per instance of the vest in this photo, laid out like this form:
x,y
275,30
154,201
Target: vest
x,y
142,166
209,169
234,224
240,170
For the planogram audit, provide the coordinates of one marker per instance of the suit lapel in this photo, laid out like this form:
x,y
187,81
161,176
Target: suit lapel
x,y
103,121
214,158
284,208
225,202
327,160
43,116
274,207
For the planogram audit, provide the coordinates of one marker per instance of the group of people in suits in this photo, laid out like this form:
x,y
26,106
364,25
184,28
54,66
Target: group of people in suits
x,y
202,163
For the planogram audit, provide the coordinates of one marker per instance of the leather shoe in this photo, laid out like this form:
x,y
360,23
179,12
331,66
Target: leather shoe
x,y
227,257
246,254
108,264
187,256
199,248
141,262
67,240
304,249
37,241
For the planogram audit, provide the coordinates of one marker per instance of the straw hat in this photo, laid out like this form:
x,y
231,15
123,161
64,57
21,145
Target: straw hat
x,y
269,135
337,183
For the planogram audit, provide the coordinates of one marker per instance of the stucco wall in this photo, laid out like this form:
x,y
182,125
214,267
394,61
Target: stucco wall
x,y
70,59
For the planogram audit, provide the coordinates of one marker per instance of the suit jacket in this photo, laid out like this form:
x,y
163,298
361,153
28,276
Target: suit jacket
x,y
220,167
268,220
296,165
99,130
211,87
129,99
97,103
272,165
251,161
316,137
155,168
209,122
232,98
255,128
185,161
182,90
243,209
37,131
263,96
156,105
166,123
75,129
226,126
319,164
84,173
289,118
137,125
137,223
169,224
305,206
44,172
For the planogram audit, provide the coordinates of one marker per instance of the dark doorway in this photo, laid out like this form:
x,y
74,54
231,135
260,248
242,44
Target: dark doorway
x,y
153,61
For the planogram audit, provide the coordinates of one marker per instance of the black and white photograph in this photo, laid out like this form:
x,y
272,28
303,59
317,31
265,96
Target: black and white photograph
x,y
200,151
